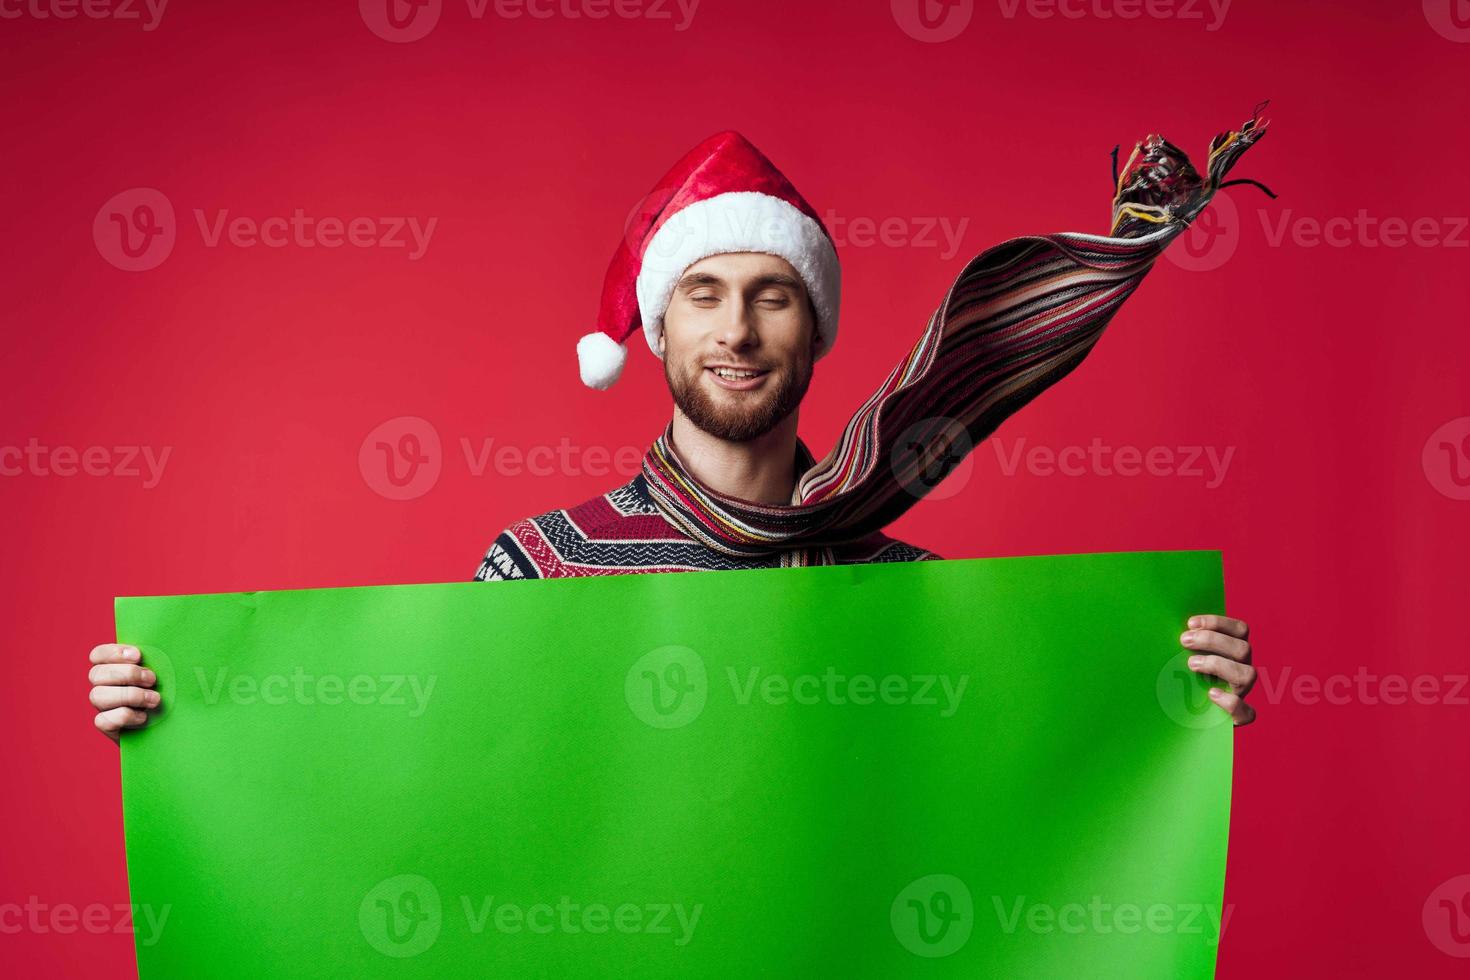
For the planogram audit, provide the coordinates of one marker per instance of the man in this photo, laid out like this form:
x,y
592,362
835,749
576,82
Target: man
x,y
734,282
738,342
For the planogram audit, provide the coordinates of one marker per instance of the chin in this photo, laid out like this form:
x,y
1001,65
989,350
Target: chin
x,y
735,415
737,426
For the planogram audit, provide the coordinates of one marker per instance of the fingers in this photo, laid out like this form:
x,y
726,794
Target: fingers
x,y
1221,648
120,688
107,698
129,675
1221,624
115,653
1234,705
1211,641
115,720
1240,677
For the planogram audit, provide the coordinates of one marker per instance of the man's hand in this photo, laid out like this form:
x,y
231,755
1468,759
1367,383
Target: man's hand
x,y
1221,648
120,688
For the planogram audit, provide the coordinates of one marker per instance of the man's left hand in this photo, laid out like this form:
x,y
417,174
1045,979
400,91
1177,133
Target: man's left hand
x,y
1220,647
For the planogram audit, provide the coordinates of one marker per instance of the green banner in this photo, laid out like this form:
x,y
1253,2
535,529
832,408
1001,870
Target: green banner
x,y
981,768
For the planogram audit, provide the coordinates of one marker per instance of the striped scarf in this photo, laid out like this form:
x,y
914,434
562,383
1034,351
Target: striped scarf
x,y
1019,318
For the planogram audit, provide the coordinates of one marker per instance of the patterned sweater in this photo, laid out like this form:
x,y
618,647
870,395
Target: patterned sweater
x,y
623,532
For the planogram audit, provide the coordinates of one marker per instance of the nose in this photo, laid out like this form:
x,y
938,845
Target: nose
x,y
736,330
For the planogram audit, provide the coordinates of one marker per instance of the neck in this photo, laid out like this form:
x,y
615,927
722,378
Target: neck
x,y
762,470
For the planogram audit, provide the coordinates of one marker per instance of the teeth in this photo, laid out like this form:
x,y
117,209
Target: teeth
x,y
734,375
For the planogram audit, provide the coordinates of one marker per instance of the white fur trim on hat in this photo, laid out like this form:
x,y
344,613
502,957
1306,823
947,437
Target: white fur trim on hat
x,y
740,221
600,360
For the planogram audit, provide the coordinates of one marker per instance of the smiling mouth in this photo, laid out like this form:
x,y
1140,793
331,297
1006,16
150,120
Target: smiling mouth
x,y
737,379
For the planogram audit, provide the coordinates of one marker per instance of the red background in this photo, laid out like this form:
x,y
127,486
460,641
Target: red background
x,y
1326,369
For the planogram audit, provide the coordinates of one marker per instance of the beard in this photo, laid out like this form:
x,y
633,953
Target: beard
x,y
738,416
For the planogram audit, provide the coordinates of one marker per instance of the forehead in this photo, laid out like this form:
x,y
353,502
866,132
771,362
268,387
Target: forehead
x,y
737,266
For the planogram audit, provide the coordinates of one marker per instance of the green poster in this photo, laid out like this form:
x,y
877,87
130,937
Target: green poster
x,y
980,768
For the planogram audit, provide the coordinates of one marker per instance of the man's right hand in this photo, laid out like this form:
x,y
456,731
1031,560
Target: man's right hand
x,y
121,688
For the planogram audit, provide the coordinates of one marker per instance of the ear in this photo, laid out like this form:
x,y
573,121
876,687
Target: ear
x,y
660,340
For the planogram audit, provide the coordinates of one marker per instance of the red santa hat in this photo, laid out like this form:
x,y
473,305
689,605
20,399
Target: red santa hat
x,y
723,196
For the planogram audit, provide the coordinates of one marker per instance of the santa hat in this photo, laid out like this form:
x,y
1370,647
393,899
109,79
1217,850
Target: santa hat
x,y
723,196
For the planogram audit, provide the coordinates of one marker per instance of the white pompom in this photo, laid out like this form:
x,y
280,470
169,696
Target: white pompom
x,y
600,360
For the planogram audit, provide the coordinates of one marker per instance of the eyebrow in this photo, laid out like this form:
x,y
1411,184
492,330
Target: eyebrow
x,y
760,282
